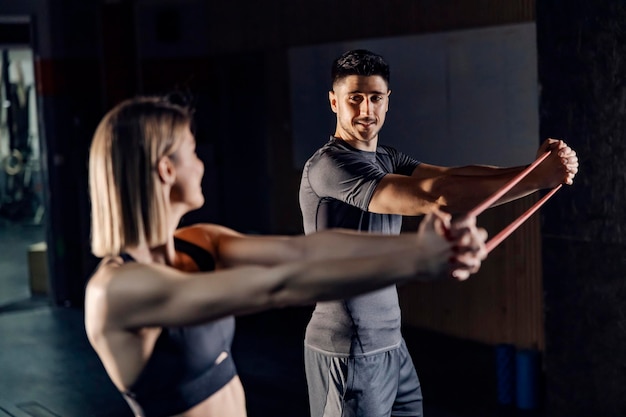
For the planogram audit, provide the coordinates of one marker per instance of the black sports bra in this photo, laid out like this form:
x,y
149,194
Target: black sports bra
x,y
184,368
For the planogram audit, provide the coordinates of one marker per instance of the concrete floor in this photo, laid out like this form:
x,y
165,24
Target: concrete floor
x,y
48,369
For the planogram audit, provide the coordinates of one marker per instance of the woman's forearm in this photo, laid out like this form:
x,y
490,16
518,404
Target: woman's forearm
x,y
306,283
340,243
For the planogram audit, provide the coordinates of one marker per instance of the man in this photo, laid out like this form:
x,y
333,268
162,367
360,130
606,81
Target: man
x,y
356,361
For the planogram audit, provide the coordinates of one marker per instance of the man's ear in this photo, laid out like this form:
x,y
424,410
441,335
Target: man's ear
x,y
166,170
332,98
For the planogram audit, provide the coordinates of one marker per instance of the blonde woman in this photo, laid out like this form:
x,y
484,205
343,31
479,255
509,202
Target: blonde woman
x,y
159,308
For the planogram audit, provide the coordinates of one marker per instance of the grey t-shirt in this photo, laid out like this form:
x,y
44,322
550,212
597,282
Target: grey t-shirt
x,y
337,184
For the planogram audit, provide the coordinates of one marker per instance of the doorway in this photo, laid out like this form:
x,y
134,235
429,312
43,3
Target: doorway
x,y
23,264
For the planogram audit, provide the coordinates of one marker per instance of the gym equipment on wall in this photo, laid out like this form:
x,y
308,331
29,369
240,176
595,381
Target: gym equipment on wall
x,y
18,199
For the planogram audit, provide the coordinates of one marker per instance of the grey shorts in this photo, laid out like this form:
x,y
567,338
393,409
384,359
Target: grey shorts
x,y
379,385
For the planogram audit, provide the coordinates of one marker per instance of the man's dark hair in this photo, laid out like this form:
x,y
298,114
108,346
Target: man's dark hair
x,y
359,62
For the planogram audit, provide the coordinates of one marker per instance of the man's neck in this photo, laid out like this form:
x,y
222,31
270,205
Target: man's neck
x,y
362,145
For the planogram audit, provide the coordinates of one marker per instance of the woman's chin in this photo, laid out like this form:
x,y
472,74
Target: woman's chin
x,y
198,204
188,205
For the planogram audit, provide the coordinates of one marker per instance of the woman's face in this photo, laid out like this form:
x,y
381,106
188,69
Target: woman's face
x,y
189,169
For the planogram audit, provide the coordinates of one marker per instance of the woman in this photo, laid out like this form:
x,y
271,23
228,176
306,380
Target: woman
x,y
161,326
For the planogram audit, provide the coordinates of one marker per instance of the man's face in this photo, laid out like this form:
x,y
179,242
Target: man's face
x,y
361,103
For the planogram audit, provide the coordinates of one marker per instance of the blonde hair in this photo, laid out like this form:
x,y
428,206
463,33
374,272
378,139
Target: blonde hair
x,y
127,204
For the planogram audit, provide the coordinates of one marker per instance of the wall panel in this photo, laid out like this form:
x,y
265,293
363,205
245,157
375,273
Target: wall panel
x,y
503,303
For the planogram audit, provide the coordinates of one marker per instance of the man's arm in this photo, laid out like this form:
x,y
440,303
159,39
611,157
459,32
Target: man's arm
x,y
459,189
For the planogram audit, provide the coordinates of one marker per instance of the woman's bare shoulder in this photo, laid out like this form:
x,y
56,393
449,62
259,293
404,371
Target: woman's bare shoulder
x,y
206,235
108,268
209,228
113,274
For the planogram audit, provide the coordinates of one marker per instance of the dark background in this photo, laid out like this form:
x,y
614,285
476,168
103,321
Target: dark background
x,y
87,59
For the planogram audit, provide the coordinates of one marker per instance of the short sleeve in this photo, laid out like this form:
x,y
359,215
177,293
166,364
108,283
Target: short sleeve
x,y
402,164
345,176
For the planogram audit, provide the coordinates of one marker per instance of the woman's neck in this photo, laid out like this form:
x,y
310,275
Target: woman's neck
x,y
162,254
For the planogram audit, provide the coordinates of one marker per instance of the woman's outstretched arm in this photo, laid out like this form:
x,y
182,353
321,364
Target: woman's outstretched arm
x,y
135,295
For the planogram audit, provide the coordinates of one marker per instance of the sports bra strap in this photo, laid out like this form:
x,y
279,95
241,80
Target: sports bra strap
x,y
200,256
